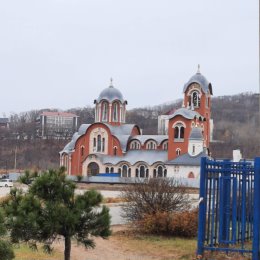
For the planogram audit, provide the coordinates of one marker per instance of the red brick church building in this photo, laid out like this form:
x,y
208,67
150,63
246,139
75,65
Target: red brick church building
x,y
111,146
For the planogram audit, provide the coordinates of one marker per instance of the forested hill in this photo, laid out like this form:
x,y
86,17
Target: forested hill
x,y
236,126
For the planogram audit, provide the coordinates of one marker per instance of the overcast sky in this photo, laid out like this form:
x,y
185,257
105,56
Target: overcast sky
x,y
62,53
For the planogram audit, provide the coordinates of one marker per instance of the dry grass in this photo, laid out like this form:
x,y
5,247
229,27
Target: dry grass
x,y
23,252
112,200
157,247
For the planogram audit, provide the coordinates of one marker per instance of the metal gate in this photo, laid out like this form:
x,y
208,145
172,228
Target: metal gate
x,y
229,210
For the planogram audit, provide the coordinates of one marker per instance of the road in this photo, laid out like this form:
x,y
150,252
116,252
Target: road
x,y
115,209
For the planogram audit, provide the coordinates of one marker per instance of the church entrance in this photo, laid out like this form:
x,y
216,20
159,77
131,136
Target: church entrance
x,y
93,169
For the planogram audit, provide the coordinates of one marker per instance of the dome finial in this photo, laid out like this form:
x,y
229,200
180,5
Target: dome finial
x,y
111,83
198,69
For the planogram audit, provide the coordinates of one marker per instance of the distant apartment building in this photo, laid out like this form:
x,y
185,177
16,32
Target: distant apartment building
x,y
4,122
57,125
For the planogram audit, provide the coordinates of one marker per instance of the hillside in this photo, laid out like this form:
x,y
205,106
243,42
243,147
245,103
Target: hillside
x,y
236,126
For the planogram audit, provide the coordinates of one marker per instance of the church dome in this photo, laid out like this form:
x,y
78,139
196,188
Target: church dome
x,y
202,81
110,94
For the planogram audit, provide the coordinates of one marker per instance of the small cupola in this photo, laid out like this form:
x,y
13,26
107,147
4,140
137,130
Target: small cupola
x,y
196,141
110,106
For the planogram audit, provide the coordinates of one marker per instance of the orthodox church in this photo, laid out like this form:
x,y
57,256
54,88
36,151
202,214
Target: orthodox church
x,y
111,146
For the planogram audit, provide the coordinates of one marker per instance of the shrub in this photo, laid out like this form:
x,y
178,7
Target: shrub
x,y
182,224
153,195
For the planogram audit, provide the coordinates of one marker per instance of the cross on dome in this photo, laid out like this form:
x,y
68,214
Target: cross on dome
x,y
111,83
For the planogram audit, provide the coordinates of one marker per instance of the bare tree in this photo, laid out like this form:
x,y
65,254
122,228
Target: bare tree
x,y
152,196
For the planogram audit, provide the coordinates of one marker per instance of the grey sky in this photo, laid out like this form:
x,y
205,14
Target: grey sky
x,y
61,53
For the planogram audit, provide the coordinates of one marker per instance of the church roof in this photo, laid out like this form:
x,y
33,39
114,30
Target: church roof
x,y
202,81
143,138
133,156
122,133
110,94
196,134
187,159
187,113
69,147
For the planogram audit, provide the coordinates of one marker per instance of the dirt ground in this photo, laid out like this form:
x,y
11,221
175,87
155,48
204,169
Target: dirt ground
x,y
124,245
118,247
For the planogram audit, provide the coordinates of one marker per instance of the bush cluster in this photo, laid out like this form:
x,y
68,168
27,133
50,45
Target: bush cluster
x,y
182,224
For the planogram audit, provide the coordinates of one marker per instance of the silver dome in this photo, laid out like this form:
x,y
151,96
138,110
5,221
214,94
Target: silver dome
x,y
110,94
202,81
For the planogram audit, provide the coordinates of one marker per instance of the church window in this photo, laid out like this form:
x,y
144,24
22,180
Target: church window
x,y
135,145
179,132
115,112
82,150
119,171
103,144
104,112
160,171
154,173
136,172
94,142
107,170
165,146
115,150
124,170
151,145
99,143
112,170
129,172
178,151
147,173
193,149
195,98
165,172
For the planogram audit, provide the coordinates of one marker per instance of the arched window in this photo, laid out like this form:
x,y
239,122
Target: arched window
x,y
115,112
99,143
176,132
112,170
165,172
142,171
154,173
151,145
160,172
179,132
129,172
178,151
94,143
165,146
135,145
119,171
103,144
147,173
107,170
136,172
115,150
195,98
82,150
104,112
124,171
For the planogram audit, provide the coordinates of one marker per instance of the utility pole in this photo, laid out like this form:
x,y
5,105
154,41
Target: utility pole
x,y
15,152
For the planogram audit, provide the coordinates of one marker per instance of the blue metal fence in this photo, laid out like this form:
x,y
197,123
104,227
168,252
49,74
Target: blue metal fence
x,y
229,207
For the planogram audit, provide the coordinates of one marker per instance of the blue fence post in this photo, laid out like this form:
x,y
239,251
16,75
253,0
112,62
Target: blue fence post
x,y
202,208
256,220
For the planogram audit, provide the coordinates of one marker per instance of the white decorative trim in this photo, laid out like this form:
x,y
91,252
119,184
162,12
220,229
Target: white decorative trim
x,y
179,122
